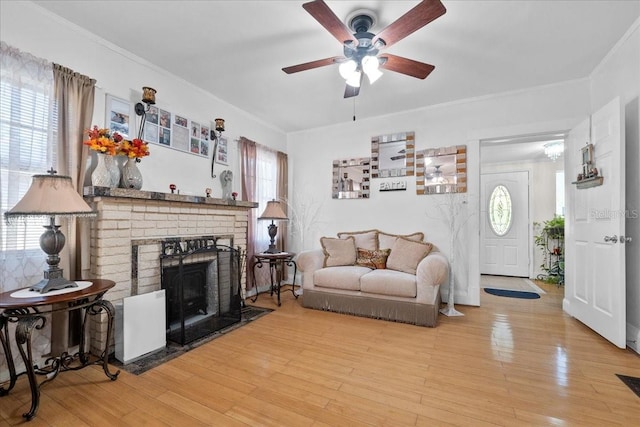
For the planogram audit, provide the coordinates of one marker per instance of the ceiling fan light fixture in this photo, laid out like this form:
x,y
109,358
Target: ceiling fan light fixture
x,y
354,79
370,66
347,69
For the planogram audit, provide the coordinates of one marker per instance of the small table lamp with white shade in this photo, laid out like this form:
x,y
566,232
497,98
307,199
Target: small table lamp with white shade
x,y
274,212
50,196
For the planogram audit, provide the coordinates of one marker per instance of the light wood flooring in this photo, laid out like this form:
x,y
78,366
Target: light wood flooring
x,y
508,362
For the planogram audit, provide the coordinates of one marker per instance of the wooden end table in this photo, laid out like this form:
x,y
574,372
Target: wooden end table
x,y
28,315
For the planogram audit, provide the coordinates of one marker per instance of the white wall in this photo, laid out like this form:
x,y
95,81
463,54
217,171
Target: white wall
x,y
619,75
542,196
120,73
311,153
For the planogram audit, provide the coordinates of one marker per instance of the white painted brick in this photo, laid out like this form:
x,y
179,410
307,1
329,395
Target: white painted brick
x,y
117,215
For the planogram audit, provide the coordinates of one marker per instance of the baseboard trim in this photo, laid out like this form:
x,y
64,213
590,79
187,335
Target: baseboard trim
x,y
633,338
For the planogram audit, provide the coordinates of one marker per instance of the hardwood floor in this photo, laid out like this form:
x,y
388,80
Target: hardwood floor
x,y
508,362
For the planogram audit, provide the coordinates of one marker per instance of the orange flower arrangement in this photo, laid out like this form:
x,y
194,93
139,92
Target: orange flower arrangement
x,y
103,141
136,148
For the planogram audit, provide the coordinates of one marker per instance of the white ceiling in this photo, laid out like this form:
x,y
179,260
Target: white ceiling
x,y
236,50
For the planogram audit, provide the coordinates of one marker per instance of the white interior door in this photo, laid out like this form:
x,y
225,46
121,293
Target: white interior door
x,y
594,251
504,227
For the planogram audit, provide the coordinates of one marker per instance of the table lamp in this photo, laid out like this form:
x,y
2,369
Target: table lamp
x,y
273,212
50,196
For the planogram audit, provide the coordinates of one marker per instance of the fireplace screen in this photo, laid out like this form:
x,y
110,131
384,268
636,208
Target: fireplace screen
x,y
202,285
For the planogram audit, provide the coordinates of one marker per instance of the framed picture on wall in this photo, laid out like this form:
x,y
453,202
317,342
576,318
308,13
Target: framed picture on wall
x,y
118,116
222,153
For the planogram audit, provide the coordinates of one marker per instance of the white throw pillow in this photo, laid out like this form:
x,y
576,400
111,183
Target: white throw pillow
x,y
406,255
338,251
367,239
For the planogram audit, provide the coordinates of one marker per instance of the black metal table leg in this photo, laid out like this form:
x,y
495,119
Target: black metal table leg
x,y
6,346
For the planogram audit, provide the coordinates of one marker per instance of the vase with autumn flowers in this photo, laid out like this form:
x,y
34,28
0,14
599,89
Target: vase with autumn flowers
x,y
134,150
106,145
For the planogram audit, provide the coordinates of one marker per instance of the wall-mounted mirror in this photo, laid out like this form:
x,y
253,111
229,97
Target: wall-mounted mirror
x,y
351,178
441,170
392,155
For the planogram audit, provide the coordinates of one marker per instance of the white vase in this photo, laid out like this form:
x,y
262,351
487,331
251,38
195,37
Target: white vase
x,y
131,176
101,176
114,170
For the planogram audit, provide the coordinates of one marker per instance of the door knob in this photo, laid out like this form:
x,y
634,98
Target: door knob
x,y
624,240
612,239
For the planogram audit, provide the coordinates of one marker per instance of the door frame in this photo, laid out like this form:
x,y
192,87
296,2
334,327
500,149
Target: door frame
x,y
473,187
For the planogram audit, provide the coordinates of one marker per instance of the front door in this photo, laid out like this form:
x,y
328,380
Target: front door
x,y
504,229
595,287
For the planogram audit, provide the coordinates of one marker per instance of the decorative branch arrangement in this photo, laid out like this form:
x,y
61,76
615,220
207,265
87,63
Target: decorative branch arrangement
x,y
452,208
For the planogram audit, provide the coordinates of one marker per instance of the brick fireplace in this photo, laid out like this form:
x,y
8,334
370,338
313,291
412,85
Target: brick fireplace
x,y
127,236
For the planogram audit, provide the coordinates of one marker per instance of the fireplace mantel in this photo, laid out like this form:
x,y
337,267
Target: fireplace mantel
x,y
127,193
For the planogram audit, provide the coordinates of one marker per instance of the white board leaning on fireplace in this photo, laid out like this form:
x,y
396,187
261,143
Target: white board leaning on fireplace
x,y
140,326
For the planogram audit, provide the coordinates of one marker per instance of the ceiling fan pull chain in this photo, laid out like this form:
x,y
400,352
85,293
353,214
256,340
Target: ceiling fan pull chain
x,y
354,109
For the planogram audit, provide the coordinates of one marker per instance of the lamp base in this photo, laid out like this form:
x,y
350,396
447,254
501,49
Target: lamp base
x,y
52,281
272,250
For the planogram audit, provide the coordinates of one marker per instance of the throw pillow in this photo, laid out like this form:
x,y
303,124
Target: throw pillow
x,y
406,254
386,240
373,259
367,239
338,251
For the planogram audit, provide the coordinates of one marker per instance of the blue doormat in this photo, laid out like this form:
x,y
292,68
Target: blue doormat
x,y
511,294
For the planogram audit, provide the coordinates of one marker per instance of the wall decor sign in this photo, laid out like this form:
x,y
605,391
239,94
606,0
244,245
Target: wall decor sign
x,y
393,186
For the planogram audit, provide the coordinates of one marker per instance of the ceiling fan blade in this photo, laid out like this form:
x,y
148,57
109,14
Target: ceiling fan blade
x,y
313,64
406,66
325,16
350,91
425,12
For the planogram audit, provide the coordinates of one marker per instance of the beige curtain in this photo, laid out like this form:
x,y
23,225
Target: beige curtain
x,y
74,95
282,194
248,170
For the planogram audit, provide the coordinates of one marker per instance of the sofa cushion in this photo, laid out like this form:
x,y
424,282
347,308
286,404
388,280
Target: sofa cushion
x,y
372,259
386,240
367,239
343,277
338,251
406,254
389,282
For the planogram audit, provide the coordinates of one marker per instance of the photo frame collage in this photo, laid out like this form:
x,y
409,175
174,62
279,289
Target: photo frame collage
x,y
162,127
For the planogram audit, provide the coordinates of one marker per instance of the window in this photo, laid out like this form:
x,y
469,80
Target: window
x,y
500,214
27,147
266,189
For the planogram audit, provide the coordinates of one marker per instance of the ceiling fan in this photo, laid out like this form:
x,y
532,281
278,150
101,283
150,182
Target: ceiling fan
x,y
362,48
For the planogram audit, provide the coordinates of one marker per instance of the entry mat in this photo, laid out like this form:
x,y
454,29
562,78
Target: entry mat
x,y
632,382
172,350
512,294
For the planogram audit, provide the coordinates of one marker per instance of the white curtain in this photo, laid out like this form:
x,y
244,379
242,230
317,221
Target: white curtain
x,y
27,140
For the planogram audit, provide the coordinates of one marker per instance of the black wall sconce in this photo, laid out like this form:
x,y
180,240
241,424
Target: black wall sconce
x,y
215,135
149,98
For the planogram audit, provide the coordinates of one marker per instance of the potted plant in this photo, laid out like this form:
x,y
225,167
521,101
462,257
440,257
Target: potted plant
x,y
550,240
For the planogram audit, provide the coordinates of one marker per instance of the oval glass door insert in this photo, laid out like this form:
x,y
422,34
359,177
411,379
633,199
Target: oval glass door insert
x,y
500,213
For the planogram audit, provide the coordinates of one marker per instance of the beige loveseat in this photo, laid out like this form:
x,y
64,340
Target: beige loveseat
x,y
375,274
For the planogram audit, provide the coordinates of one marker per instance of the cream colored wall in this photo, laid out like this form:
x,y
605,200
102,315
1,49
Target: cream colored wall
x,y
118,72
